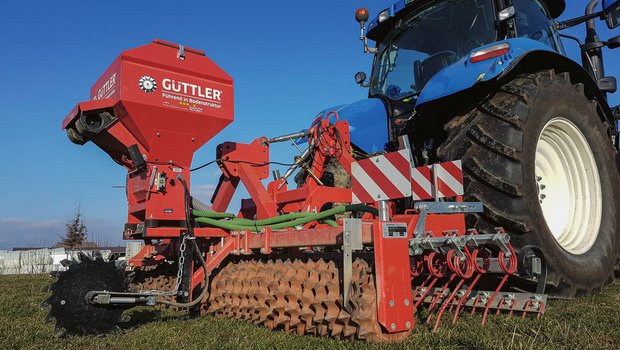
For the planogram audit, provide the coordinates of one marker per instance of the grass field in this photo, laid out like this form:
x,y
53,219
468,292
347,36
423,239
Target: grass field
x,y
587,323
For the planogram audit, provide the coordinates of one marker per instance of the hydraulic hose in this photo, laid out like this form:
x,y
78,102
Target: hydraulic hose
x,y
248,222
276,222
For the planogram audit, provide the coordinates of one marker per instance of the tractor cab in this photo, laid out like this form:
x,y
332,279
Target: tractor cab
x,y
417,39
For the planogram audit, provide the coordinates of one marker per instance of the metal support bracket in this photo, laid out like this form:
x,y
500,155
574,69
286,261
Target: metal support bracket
x,y
351,240
425,208
418,245
393,277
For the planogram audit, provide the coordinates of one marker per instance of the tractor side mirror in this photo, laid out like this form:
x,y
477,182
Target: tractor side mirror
x,y
611,10
360,79
614,42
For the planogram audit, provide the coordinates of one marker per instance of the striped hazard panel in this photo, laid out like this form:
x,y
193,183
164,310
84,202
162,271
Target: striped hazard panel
x,y
437,180
382,177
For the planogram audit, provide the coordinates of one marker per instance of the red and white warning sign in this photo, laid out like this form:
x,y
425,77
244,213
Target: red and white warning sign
x,y
437,180
383,177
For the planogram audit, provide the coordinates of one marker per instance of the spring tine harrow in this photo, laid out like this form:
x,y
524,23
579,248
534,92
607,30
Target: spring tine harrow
x,y
455,264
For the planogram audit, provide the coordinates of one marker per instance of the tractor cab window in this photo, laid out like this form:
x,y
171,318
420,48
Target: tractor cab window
x,y
432,38
534,22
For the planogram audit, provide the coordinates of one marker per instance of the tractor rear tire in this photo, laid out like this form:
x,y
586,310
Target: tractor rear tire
x,y
537,155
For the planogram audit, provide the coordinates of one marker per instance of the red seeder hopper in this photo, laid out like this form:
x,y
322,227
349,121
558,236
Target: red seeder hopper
x,y
355,250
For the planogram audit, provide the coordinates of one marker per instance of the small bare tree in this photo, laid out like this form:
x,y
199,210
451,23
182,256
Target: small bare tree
x,y
76,231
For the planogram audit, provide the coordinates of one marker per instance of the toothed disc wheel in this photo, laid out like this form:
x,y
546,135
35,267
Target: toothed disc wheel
x,y
74,315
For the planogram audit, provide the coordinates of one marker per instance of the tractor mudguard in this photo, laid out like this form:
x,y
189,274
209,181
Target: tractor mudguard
x,y
368,123
525,56
464,74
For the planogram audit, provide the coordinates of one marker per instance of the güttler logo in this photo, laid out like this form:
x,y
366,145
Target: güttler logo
x,y
147,84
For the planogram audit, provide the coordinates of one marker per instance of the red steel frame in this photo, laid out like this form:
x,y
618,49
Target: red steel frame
x,y
392,264
169,143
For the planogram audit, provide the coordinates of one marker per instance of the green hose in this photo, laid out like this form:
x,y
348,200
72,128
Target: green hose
x,y
213,215
278,222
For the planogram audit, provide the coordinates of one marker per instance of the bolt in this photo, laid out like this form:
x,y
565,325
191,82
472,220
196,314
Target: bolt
x,y
408,325
543,196
62,302
391,303
242,251
235,252
538,178
263,251
393,326
379,196
377,160
406,302
193,139
542,187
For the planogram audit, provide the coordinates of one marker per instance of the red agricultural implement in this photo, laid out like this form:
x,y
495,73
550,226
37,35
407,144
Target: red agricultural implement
x,y
480,173
357,256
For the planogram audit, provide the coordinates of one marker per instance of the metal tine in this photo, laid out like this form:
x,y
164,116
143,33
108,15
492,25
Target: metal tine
x,y
541,309
473,309
124,318
66,262
428,290
527,305
419,288
447,302
490,301
464,298
437,297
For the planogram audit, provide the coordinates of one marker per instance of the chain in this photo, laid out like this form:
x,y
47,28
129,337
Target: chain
x,y
181,264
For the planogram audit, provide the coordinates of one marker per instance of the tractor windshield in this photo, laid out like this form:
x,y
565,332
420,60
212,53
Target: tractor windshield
x,y
432,38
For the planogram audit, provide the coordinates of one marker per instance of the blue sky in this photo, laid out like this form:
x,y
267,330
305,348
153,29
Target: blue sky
x,y
289,59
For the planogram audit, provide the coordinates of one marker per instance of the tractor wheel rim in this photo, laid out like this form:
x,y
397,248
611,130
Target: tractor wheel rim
x,y
569,186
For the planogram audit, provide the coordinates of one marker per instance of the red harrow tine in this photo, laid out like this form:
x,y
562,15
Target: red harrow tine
x,y
446,303
438,295
490,301
464,298
509,269
454,263
436,269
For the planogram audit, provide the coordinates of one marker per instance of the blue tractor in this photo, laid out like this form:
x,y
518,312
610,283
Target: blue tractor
x,y
488,82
